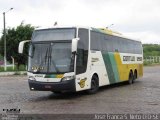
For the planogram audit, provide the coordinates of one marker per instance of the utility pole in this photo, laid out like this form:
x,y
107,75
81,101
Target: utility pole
x,y
4,20
5,55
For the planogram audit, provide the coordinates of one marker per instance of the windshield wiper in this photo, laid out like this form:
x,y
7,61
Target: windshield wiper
x,y
50,60
49,57
46,56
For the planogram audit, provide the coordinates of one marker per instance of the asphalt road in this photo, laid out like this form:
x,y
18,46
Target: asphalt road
x,y
141,97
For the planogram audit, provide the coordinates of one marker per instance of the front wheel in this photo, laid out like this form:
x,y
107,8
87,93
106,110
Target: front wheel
x,y
94,85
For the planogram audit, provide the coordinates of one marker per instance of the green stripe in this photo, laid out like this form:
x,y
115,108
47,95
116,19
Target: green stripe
x,y
50,76
111,67
114,67
97,30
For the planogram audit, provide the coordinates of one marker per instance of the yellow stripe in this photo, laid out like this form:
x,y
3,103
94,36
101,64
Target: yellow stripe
x,y
59,76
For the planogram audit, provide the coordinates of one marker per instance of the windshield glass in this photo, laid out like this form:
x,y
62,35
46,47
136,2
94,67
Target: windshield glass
x,y
54,34
50,57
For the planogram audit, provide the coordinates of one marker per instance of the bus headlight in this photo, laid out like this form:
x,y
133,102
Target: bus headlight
x,y
31,78
68,78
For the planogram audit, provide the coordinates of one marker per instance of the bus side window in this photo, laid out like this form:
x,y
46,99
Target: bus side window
x,y
82,51
80,57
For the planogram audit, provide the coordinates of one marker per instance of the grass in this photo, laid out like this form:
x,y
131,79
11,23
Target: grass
x,y
146,63
10,69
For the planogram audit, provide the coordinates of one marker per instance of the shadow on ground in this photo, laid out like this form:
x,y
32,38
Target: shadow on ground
x,y
74,95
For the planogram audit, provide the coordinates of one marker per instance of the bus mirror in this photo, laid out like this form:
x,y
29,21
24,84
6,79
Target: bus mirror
x,y
21,46
74,44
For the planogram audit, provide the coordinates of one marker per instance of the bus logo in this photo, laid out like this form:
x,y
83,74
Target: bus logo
x,y
82,83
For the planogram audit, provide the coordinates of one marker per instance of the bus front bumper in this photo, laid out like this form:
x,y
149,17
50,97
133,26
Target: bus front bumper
x,y
67,86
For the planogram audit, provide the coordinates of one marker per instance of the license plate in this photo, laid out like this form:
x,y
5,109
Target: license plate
x,y
47,86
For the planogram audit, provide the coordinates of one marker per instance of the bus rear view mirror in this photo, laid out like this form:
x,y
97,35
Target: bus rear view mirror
x,y
74,44
21,46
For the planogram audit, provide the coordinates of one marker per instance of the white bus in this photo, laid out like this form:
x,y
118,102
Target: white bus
x,y
76,58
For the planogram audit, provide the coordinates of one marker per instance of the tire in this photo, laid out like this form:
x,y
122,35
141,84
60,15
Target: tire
x,y
134,77
94,85
131,78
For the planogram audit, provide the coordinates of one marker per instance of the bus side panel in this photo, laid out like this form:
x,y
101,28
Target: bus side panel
x,y
95,65
118,70
124,67
140,70
111,67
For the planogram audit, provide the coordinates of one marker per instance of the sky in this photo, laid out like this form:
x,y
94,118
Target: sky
x,y
137,19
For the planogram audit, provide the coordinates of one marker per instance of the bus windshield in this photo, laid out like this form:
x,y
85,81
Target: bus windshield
x,y
53,34
50,57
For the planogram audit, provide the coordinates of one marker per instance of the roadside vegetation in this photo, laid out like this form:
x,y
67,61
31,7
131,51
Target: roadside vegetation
x,y
13,37
151,53
16,69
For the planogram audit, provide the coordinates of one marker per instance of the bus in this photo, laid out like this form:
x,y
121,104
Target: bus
x,y
71,59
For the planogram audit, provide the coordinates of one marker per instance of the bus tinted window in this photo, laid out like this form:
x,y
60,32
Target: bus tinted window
x,y
110,43
53,34
95,41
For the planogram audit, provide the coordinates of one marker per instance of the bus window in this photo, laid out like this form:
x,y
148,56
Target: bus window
x,y
82,51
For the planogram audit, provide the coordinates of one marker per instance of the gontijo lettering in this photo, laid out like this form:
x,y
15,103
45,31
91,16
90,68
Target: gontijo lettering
x,y
128,58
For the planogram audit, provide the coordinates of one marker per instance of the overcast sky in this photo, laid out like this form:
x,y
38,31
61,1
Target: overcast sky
x,y
138,19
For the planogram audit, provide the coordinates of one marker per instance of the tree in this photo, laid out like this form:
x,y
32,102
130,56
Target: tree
x,y
151,50
13,37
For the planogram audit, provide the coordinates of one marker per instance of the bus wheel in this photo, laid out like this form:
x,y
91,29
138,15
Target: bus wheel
x,y
135,76
131,78
94,85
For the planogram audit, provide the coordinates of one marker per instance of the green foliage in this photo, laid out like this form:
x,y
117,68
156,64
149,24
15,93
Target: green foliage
x,y
1,57
151,50
13,37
